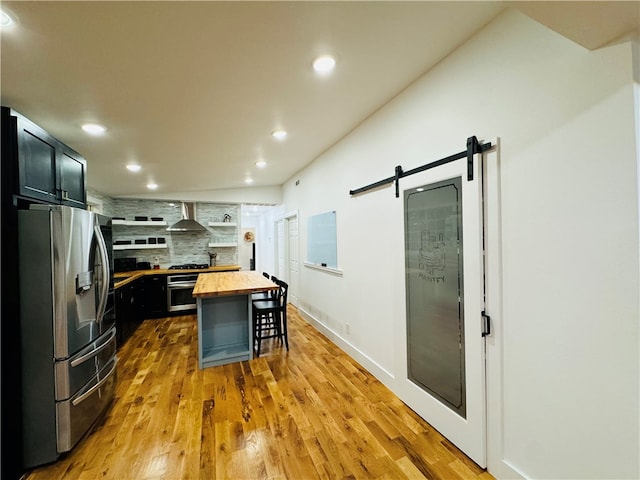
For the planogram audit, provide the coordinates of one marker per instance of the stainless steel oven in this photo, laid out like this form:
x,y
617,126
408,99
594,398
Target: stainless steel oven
x,y
180,292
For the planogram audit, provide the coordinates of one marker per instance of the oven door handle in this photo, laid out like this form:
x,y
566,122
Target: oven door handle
x,y
181,285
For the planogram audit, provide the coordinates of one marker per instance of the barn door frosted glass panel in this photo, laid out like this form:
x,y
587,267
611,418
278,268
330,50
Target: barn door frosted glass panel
x,y
435,328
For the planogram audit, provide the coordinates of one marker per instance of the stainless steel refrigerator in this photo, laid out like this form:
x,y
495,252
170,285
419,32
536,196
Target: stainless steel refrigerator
x,y
67,324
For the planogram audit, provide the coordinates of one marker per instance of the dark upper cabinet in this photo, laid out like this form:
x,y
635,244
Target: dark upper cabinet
x,y
47,169
72,175
36,162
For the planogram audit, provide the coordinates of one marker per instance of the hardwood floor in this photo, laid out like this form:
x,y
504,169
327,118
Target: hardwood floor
x,y
310,413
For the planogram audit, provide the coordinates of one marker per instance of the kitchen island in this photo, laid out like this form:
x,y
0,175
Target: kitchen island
x,y
224,315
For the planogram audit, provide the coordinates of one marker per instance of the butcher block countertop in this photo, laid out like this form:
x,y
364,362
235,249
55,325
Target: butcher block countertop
x,y
231,283
121,279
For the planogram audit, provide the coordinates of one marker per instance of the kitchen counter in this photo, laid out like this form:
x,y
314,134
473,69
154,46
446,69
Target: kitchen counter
x,y
232,283
121,279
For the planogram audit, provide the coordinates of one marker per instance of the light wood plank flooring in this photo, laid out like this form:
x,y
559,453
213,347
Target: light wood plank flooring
x,y
310,413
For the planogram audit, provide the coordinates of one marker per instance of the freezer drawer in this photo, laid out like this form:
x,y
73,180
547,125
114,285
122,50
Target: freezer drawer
x,y
76,415
73,373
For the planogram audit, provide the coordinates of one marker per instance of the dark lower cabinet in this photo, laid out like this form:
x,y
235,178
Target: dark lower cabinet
x,y
153,296
143,298
127,319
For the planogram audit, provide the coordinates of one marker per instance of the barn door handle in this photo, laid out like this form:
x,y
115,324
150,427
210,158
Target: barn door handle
x,y
486,324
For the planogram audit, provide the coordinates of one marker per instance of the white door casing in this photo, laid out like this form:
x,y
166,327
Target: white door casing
x,y
294,261
497,462
281,251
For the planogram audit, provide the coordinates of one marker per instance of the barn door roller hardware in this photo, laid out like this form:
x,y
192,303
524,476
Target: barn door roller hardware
x,y
473,147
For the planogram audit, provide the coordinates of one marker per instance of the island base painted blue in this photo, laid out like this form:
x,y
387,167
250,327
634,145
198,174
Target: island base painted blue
x,y
224,330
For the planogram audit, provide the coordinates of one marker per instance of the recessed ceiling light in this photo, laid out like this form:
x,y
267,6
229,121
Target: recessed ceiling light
x,y
248,180
133,167
5,19
152,186
94,128
261,164
324,64
279,134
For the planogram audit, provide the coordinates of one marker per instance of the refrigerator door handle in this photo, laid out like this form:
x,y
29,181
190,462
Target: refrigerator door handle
x,y
105,273
93,353
89,392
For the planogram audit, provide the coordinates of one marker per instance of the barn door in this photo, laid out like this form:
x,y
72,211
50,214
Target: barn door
x,y
445,366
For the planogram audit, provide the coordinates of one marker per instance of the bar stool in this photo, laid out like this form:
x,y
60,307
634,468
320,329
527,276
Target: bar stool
x,y
270,317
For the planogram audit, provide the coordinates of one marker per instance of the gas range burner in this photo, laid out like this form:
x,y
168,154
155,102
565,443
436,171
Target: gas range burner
x,y
189,266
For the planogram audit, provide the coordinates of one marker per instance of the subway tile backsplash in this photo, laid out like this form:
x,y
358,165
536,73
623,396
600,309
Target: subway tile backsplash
x,y
187,247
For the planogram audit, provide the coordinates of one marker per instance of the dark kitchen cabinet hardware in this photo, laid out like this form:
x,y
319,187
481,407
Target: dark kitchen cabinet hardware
x,y
47,170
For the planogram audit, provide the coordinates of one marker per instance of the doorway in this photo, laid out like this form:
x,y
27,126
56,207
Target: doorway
x,y
287,253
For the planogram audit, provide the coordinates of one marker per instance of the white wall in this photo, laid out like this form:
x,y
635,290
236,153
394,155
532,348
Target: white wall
x,y
570,262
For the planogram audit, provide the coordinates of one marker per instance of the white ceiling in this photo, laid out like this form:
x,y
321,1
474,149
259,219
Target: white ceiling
x,y
192,90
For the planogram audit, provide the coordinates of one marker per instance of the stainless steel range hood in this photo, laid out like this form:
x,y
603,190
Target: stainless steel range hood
x,y
188,222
